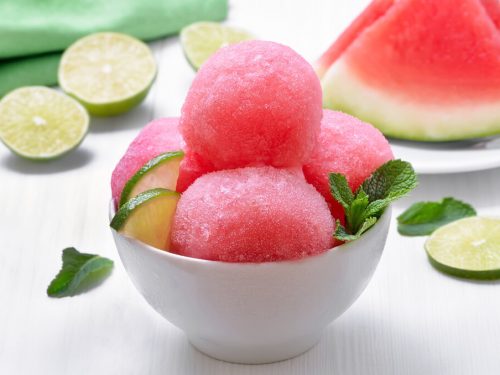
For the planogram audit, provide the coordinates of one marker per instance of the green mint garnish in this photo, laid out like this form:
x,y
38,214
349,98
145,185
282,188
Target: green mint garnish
x,y
342,234
79,272
340,189
389,182
423,218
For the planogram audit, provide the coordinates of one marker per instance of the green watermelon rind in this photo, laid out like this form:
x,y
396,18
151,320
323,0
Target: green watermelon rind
x,y
383,111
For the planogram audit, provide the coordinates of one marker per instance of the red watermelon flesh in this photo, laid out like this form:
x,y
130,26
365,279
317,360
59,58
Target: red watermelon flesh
x,y
372,13
424,69
446,51
492,7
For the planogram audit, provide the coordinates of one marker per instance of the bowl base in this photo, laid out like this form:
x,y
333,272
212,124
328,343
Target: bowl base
x,y
255,354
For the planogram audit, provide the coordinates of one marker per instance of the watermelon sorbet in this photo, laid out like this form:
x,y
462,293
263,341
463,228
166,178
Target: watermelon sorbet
x,y
253,103
349,146
258,152
253,214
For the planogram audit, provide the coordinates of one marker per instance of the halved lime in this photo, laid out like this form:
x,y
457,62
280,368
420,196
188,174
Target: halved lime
x,y
148,217
467,248
160,172
109,73
40,123
201,40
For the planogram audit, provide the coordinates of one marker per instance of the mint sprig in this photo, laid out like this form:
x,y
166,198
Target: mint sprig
x,y
390,181
423,218
79,272
363,208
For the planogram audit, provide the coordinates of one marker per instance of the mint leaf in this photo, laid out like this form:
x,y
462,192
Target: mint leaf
x,y
355,213
341,233
367,224
362,209
377,207
340,189
79,272
423,218
390,181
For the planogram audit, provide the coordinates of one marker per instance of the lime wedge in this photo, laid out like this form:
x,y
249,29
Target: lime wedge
x,y
201,40
467,248
148,217
160,172
109,73
40,123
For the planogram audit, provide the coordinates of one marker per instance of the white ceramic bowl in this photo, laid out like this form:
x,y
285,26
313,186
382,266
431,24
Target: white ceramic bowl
x,y
253,313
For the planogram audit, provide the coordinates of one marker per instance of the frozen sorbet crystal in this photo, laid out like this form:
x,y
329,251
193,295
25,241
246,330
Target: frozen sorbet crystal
x,y
192,167
253,103
253,214
349,146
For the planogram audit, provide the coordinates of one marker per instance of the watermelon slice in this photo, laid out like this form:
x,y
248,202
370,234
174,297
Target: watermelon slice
x,y
424,70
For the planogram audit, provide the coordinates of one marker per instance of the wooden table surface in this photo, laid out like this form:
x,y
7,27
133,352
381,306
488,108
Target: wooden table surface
x,y
410,320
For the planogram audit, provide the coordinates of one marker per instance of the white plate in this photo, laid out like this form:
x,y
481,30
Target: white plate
x,y
449,157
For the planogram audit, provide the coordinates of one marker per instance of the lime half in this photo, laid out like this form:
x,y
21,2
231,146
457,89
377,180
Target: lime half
x,y
40,123
148,217
202,39
160,172
467,248
109,73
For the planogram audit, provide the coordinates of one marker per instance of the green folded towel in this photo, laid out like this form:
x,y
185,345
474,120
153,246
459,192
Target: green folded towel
x,y
34,32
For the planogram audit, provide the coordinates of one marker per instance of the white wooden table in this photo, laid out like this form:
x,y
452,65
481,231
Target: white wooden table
x,y
410,320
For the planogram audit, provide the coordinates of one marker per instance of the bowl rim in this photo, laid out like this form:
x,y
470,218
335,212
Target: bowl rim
x,y
386,216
